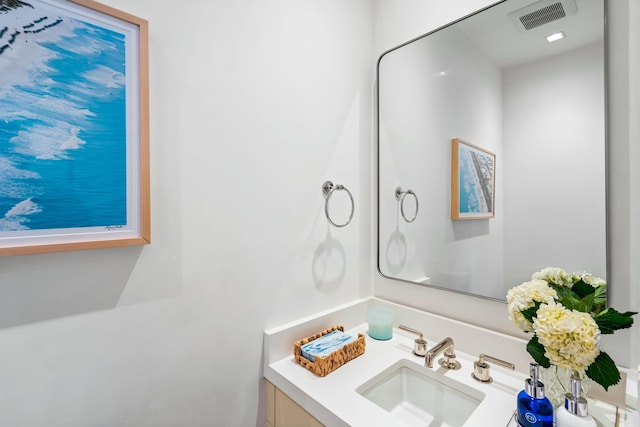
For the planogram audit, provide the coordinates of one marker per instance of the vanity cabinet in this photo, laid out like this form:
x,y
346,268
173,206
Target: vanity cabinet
x,y
282,411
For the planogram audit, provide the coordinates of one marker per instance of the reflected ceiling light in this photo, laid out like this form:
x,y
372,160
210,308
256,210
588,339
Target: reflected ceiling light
x,y
555,36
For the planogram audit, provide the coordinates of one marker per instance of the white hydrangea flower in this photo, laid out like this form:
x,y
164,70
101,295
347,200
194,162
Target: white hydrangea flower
x,y
570,338
589,279
555,276
525,296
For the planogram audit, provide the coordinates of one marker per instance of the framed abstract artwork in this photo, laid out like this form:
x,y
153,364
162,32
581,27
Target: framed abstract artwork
x,y
473,181
74,129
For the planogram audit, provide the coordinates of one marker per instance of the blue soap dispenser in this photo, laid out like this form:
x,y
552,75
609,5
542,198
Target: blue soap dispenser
x,y
534,409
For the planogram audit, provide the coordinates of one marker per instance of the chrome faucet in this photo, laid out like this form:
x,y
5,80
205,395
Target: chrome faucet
x,y
445,346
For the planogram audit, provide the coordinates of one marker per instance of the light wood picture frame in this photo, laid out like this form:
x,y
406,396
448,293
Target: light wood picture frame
x,y
74,148
473,181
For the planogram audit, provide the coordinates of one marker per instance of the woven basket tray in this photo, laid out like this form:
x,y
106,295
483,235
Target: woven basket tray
x,y
325,365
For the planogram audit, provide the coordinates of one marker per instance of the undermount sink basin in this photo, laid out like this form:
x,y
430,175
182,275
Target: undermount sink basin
x,y
421,397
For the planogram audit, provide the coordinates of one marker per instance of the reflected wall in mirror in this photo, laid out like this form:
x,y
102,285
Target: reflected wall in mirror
x,y
538,105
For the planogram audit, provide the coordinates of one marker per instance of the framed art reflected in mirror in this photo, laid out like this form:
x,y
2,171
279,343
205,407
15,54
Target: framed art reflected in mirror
x,y
473,181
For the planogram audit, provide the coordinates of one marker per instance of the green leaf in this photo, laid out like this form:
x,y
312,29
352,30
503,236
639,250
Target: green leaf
x,y
572,302
611,320
536,350
587,302
530,312
562,292
600,300
601,291
604,371
582,289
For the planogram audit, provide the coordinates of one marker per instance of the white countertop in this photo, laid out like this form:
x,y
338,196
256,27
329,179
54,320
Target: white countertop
x,y
337,394
333,399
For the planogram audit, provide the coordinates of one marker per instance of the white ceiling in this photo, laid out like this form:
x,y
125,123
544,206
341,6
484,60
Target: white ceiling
x,y
497,35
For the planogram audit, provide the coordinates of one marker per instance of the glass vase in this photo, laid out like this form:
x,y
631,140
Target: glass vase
x,y
557,383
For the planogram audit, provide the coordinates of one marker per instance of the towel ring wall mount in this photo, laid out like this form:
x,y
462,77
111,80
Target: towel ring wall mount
x,y
400,196
327,190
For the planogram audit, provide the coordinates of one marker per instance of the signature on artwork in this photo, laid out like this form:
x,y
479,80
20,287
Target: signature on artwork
x,y
114,227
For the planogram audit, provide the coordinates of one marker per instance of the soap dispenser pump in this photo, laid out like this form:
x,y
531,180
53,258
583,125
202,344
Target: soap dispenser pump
x,y
534,409
575,412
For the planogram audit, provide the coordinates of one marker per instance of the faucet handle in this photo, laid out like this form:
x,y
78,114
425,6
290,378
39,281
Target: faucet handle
x,y
482,370
449,361
420,344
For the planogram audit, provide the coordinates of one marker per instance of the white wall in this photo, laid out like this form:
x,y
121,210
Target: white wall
x,y
554,191
253,106
624,175
634,174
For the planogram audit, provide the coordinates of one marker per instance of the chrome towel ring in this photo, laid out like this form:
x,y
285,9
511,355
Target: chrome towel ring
x,y
327,190
400,196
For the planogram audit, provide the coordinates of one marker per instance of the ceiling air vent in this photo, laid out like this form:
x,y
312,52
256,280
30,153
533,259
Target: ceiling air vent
x,y
542,12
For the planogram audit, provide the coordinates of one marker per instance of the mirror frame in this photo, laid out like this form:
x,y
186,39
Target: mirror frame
x,y
607,168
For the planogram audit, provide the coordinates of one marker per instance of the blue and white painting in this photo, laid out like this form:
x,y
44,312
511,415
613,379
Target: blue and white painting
x,y
63,127
476,179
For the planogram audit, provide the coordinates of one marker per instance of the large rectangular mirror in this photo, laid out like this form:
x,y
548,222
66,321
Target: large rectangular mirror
x,y
494,81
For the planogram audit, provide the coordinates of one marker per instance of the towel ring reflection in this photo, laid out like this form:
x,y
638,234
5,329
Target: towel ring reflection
x,y
400,196
327,190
